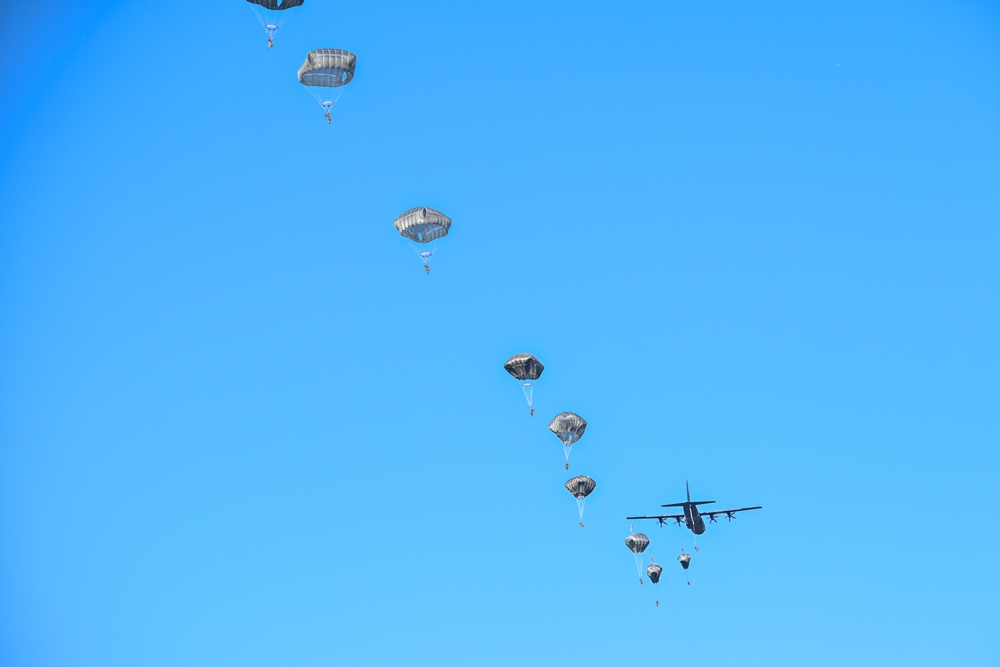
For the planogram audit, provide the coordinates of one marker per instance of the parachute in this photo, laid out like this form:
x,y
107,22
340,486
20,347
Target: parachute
x,y
581,486
653,572
422,227
637,543
685,561
569,428
526,368
271,14
325,73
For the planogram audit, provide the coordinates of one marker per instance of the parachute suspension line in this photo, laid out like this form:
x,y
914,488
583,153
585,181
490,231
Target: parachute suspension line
x,y
258,12
269,20
423,251
580,502
529,394
656,586
566,451
326,97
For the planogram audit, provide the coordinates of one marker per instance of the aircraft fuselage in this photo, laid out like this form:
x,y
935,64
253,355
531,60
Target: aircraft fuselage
x,y
692,517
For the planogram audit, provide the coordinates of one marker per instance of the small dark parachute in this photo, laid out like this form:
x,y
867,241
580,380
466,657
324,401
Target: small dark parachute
x,y
637,543
271,14
526,368
324,73
422,227
569,428
581,486
685,561
653,572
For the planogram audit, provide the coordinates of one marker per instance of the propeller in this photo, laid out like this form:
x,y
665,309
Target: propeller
x,y
730,516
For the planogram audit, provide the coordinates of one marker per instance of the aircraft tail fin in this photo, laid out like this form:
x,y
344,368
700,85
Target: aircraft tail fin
x,y
697,502
687,487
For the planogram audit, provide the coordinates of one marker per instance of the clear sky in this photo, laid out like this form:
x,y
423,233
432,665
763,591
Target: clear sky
x,y
755,245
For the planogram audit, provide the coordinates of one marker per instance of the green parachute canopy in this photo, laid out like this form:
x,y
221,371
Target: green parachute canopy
x,y
637,542
328,68
581,486
421,227
325,72
525,368
422,224
569,428
277,5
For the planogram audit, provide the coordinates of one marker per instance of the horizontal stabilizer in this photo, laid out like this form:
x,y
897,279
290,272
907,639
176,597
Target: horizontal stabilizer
x,y
697,502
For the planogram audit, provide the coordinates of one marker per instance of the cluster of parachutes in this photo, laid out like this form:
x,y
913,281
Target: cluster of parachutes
x,y
637,544
325,72
569,427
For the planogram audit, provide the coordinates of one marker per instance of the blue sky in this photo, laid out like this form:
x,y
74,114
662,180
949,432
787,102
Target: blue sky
x,y
755,245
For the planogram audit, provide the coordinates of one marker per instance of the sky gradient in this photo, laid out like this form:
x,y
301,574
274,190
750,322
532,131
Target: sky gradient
x,y
754,244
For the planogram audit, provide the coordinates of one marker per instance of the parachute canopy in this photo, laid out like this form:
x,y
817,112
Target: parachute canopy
x,y
329,68
581,486
653,572
524,367
637,542
685,560
422,224
568,427
275,5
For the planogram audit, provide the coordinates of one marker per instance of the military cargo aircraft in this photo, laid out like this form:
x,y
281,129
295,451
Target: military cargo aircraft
x,y
692,517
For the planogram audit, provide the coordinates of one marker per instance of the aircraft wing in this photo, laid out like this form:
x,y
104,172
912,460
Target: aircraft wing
x,y
729,513
662,518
